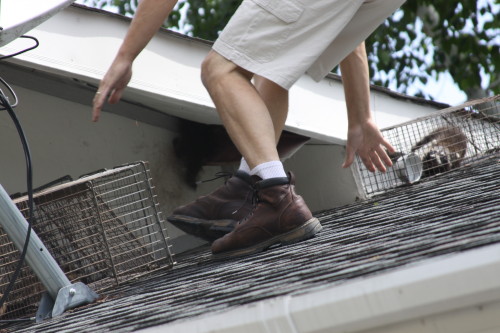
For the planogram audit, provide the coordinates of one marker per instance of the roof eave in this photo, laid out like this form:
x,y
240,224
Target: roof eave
x,y
167,75
434,288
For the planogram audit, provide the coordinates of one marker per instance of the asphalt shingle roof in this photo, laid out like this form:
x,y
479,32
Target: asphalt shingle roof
x,y
449,213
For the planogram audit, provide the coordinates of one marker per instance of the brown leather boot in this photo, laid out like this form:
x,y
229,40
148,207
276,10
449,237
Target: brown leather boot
x,y
214,215
280,216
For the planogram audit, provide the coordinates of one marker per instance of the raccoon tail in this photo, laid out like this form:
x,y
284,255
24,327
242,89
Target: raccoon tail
x,y
425,140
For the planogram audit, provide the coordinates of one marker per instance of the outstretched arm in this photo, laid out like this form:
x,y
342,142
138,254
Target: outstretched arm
x,y
363,135
148,18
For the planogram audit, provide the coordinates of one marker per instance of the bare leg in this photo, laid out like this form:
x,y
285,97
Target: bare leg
x,y
213,215
254,121
276,99
242,109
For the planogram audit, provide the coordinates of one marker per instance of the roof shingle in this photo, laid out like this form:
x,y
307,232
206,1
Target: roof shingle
x,y
449,213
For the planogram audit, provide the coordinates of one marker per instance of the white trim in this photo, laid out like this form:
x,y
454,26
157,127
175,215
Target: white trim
x,y
436,286
167,75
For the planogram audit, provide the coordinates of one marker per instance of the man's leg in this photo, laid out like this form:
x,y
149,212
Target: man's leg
x,y
216,214
276,99
280,216
242,110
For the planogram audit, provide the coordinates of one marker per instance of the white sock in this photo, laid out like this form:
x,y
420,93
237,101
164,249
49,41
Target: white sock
x,y
273,169
244,166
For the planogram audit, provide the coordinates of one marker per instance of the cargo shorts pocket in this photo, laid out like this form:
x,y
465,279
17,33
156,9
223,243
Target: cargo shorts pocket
x,y
270,28
288,11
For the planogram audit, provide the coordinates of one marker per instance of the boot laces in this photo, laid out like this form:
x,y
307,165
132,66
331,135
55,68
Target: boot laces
x,y
252,193
228,175
218,175
255,201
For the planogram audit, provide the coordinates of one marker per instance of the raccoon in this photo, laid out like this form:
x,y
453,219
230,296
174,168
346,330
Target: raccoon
x,y
441,150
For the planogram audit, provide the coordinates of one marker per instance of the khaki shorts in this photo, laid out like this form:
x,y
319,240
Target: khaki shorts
x,y
283,39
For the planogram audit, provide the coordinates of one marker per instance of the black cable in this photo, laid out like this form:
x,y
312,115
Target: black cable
x,y
29,178
29,173
12,92
25,50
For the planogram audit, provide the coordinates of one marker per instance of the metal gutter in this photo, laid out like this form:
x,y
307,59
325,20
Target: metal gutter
x,y
432,288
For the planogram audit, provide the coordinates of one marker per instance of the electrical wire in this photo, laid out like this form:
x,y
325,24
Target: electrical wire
x,y
4,103
22,51
12,92
29,173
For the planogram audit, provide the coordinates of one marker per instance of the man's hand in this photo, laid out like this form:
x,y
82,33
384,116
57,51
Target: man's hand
x,y
148,18
363,135
112,85
366,140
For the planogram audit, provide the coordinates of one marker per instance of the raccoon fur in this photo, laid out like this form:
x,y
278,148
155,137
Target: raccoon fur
x,y
441,150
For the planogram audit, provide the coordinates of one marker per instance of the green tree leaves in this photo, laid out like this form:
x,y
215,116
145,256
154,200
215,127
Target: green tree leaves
x,y
204,18
459,37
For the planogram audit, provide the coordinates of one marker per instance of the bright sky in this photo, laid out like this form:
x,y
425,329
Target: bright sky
x,y
443,90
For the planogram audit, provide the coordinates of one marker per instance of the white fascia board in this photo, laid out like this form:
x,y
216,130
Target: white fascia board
x,y
81,43
318,110
434,287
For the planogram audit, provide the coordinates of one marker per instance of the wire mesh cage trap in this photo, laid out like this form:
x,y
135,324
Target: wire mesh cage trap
x,y
103,229
429,146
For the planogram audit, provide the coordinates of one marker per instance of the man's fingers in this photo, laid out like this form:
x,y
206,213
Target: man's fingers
x,y
382,153
95,115
375,158
98,102
388,145
368,163
96,111
115,96
349,157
